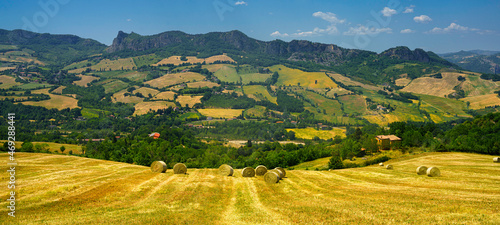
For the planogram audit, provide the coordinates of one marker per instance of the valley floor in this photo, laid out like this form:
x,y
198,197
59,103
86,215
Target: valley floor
x,y
57,189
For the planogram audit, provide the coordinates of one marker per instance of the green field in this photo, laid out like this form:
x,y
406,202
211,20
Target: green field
x,y
443,109
259,93
254,77
228,74
353,104
294,77
34,86
91,113
59,189
114,86
146,60
256,111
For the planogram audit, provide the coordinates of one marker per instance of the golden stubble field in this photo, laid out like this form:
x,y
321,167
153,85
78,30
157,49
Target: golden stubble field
x,y
56,189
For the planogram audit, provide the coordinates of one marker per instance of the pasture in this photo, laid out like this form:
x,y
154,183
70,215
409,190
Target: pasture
x,y
227,73
256,111
7,82
114,86
201,84
259,93
109,65
58,189
434,86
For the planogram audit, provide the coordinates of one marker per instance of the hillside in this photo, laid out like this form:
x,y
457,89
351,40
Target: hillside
x,y
73,190
477,61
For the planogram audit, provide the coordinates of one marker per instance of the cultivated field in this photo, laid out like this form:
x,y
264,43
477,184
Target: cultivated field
x,y
254,77
189,100
85,80
58,90
310,133
144,107
8,82
176,60
167,95
176,78
353,104
403,81
294,77
347,81
146,91
259,93
434,86
120,97
201,84
221,113
475,86
482,101
56,101
56,189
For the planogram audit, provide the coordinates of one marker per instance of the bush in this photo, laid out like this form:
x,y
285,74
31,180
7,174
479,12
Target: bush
x,y
335,162
376,160
351,165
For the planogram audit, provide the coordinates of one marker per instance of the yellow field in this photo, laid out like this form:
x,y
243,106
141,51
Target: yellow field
x,y
167,95
293,77
19,56
60,189
144,107
55,101
8,82
434,86
212,67
7,68
120,97
85,80
58,90
190,100
176,78
221,113
402,81
310,133
201,84
259,93
482,101
106,65
176,60
135,76
146,91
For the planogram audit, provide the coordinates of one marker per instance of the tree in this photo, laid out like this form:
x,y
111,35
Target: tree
x,y
249,143
62,149
27,147
335,162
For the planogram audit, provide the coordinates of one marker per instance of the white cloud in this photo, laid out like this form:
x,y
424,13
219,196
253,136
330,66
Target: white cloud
x,y
317,31
328,16
362,30
241,3
450,28
128,20
407,31
388,12
409,9
422,19
278,34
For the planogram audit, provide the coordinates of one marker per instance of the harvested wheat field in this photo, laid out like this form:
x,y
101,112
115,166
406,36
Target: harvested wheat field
x,y
482,101
56,189
176,60
221,113
85,80
56,101
434,86
175,78
144,107
189,100
167,95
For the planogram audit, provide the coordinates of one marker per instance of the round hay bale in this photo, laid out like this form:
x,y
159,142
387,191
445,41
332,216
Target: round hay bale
x,y
260,170
280,174
282,170
433,172
271,177
381,164
389,167
496,159
422,170
180,168
226,170
248,172
158,167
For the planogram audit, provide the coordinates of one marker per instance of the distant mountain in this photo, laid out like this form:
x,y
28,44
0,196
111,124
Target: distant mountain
x,y
476,60
51,48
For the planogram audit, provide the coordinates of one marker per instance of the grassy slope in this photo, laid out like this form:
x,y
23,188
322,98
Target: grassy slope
x,y
293,77
71,190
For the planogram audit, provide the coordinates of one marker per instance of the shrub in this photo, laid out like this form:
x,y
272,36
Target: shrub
x,y
376,160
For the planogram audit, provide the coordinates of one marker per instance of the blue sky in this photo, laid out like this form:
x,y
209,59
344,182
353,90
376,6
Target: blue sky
x,y
439,26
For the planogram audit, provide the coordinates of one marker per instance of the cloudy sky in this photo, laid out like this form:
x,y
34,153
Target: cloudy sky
x,y
439,26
